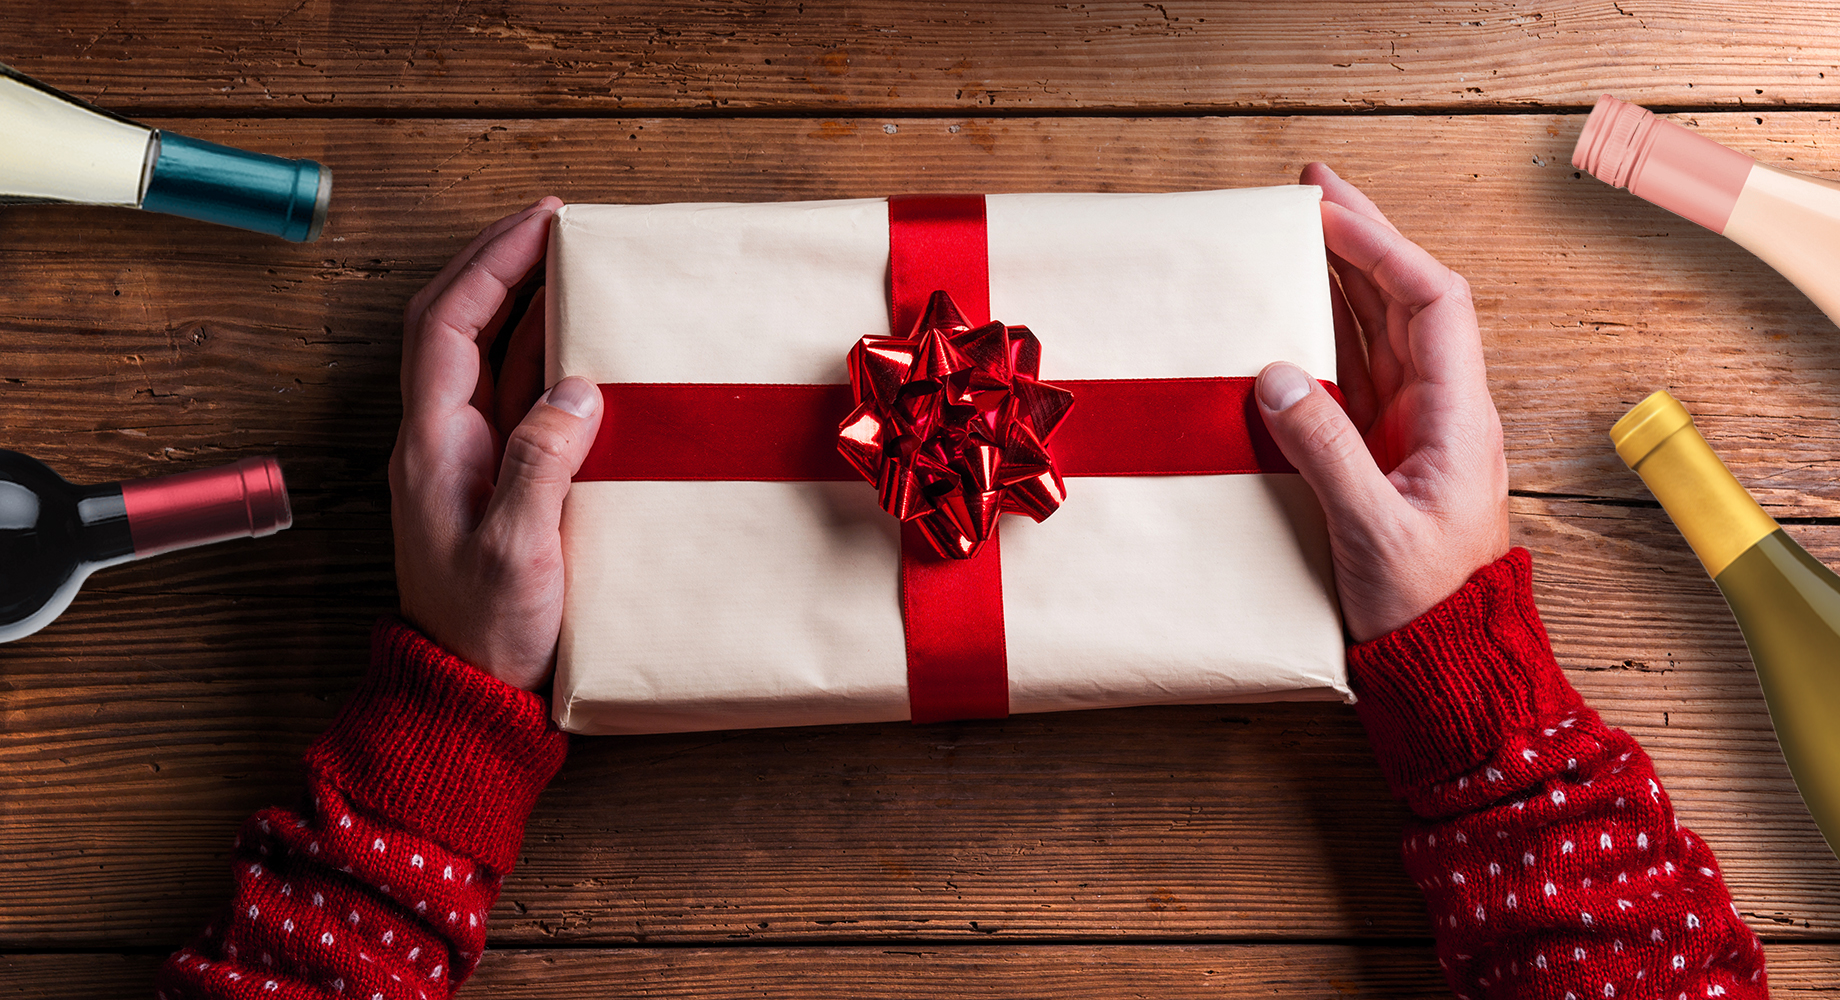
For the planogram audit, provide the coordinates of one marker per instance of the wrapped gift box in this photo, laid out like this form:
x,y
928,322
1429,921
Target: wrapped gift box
x,y
695,605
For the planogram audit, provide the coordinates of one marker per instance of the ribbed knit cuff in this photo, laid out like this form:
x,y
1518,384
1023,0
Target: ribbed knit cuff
x,y
441,748
1440,695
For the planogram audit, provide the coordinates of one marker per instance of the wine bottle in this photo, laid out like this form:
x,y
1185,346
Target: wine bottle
x,y
1789,220
1787,604
56,148
54,534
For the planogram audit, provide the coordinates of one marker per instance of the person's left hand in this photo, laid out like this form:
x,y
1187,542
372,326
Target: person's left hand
x,y
480,469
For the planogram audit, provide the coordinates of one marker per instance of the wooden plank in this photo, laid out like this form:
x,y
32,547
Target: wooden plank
x,y
220,665
1065,972
1245,821
707,56
137,343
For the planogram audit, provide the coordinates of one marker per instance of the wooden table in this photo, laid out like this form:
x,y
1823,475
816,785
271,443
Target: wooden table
x,y
1231,850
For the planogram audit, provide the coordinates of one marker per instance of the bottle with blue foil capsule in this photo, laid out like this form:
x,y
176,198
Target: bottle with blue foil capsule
x,y
60,149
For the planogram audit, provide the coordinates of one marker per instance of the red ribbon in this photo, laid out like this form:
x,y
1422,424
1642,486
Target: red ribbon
x,y
788,433
952,609
951,426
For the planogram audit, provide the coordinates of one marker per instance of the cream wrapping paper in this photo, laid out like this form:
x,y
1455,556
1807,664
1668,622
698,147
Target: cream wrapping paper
x,y
714,605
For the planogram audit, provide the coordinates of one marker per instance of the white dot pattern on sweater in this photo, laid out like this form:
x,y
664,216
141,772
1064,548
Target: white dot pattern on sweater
x,y
1591,801
1539,809
344,885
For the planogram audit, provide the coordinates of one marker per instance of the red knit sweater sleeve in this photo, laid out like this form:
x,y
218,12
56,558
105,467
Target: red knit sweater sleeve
x,y
1550,858
378,886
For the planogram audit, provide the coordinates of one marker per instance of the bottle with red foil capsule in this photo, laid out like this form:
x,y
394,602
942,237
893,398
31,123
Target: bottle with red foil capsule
x,y
1789,220
53,534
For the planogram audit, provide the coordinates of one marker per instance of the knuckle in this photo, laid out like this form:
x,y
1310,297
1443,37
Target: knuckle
x,y
403,463
495,556
1323,436
1460,289
412,440
534,448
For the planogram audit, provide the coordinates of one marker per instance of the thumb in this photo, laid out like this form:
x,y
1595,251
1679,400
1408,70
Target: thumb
x,y
1318,438
542,455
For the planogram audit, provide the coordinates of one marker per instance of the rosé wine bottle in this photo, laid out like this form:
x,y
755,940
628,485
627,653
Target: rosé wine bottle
x,y
1789,220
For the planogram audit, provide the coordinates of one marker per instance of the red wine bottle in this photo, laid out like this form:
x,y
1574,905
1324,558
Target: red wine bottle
x,y
53,534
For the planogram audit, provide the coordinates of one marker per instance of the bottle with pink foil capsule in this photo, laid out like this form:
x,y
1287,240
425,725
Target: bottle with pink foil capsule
x,y
53,534
1789,220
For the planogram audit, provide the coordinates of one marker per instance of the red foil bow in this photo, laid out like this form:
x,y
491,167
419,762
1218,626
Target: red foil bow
x,y
951,426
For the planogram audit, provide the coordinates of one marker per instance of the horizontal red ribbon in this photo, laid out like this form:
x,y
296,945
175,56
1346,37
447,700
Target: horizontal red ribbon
x,y
784,433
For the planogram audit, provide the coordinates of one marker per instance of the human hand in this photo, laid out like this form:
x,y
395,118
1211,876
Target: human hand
x,y
1412,478
480,469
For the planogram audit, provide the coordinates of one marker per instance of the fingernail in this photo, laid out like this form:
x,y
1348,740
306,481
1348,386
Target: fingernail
x,y
573,395
1282,383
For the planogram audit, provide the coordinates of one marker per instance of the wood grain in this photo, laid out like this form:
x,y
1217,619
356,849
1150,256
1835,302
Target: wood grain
x,y
176,695
138,344
362,57
125,771
1063,972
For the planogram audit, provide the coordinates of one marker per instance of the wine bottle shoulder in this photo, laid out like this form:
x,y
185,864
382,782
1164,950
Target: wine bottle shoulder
x,y
86,524
58,148
1788,606
38,543
1792,222
1777,576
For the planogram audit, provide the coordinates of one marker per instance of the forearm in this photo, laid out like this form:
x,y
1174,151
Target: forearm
x,y
380,884
1549,855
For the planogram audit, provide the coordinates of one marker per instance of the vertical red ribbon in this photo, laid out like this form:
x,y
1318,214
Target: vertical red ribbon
x,y
951,609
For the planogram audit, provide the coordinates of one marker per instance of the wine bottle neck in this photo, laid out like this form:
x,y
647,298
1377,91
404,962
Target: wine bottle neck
x,y
102,525
1674,167
235,187
1713,511
210,505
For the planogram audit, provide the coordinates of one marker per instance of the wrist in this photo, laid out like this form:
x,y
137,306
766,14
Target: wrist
x,y
441,748
504,627
1407,587
1442,694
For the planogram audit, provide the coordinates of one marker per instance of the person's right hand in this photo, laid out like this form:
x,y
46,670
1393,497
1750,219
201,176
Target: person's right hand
x,y
1412,478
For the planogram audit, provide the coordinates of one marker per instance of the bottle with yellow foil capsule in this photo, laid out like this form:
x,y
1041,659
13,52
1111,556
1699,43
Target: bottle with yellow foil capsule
x,y
1786,603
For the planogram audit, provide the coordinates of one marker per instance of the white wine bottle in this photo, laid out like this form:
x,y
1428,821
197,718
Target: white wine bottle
x,y
1786,603
56,148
